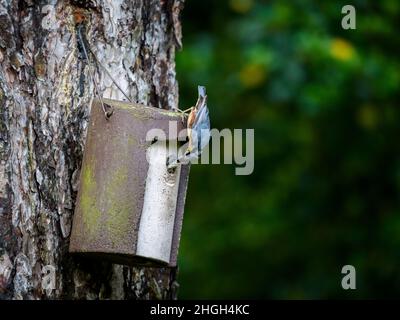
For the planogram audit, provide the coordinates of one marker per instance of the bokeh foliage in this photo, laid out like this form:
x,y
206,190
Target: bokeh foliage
x,y
324,103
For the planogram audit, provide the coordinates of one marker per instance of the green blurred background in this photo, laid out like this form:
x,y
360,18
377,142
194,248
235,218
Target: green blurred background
x,y
324,103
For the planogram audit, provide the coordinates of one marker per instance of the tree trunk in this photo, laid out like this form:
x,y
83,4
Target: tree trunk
x,y
46,90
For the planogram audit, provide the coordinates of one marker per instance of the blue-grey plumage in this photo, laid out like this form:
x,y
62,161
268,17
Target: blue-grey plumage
x,y
198,130
202,91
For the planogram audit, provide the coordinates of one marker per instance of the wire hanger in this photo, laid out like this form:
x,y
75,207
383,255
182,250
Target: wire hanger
x,y
107,114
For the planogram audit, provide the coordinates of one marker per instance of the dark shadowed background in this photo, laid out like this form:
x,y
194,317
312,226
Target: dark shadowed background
x,y
324,103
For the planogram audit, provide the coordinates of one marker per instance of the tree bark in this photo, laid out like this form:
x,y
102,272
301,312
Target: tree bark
x,y
45,96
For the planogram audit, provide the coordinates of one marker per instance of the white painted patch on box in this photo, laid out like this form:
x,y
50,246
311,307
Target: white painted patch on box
x,y
156,226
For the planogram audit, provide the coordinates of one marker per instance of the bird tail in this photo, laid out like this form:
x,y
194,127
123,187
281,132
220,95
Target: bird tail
x,y
202,91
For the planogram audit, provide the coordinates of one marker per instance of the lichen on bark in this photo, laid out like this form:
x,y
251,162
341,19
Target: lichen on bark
x,y
45,95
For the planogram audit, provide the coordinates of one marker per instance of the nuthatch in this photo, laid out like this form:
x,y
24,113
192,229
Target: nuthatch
x,y
198,129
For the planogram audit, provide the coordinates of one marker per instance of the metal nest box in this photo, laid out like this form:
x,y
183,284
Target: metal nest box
x,y
129,207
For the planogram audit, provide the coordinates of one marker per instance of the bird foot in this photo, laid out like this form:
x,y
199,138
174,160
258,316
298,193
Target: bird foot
x,y
184,113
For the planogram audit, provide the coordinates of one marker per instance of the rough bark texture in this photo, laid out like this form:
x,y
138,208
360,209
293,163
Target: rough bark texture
x,y
45,96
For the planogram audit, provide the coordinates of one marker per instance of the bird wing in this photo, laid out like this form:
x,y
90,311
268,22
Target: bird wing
x,y
202,128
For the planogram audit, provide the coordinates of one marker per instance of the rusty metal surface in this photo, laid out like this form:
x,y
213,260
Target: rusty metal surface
x,y
112,183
